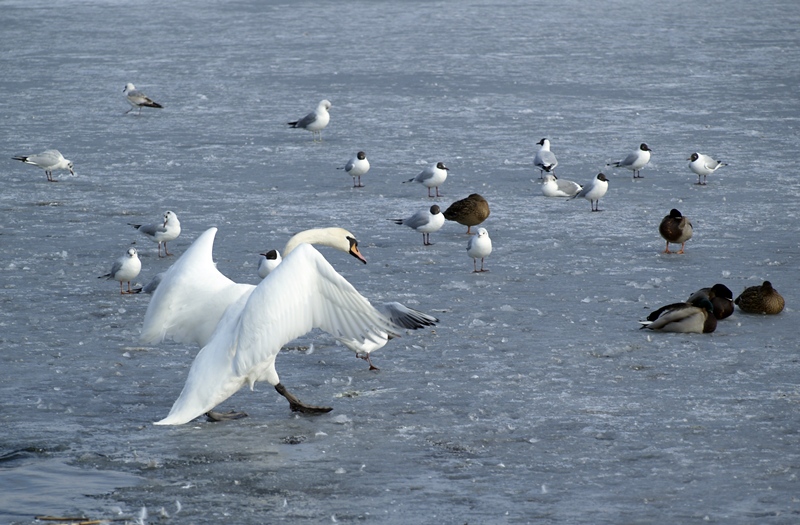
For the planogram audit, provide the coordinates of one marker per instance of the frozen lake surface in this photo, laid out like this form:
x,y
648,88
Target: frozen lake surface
x,y
537,399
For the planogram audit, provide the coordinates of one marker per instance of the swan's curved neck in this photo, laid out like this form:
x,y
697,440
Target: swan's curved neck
x,y
318,236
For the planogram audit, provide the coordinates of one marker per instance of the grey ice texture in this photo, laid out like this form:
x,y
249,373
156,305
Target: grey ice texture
x,y
536,399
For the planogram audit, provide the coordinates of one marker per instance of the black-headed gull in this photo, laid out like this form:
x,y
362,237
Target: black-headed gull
x,y
592,192
356,167
432,177
315,121
675,228
635,161
125,269
703,165
49,161
161,233
470,211
269,260
545,160
138,100
555,187
424,221
479,247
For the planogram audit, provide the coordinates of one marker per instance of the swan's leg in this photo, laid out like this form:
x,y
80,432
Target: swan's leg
x,y
298,406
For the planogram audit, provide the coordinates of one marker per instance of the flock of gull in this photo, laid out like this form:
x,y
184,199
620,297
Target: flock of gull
x,y
240,328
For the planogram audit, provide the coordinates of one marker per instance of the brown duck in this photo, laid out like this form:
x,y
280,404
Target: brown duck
x,y
675,228
470,211
762,299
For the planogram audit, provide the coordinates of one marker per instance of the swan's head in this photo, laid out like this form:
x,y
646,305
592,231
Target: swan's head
x,y
338,238
353,249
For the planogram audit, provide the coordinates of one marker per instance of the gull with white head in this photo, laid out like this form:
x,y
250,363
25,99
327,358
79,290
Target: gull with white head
x,y
315,121
49,161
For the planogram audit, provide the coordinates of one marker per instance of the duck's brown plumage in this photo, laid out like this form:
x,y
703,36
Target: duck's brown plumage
x,y
675,228
762,299
470,211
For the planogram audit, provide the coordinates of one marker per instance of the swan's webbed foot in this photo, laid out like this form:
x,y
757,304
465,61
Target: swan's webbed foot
x,y
224,416
298,406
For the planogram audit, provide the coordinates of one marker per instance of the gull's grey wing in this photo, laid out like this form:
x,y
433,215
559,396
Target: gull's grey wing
x,y
307,120
152,229
114,269
426,174
568,187
418,219
627,161
45,159
586,189
406,317
546,160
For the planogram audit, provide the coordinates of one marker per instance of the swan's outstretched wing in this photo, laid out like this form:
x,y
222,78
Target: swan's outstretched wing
x,y
192,297
302,293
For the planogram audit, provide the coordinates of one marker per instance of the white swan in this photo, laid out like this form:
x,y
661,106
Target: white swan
x,y
193,295
302,293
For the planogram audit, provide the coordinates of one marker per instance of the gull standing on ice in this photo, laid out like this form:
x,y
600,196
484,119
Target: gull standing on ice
x,y
356,167
269,261
138,100
49,160
432,177
126,268
545,160
703,165
424,221
635,161
401,316
675,228
162,233
593,191
479,247
315,121
555,187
